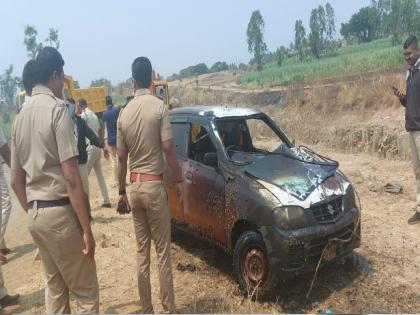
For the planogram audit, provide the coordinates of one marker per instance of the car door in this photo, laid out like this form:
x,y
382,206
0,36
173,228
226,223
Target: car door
x,y
180,137
204,201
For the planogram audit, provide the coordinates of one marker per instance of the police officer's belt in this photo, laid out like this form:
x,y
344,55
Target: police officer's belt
x,y
49,203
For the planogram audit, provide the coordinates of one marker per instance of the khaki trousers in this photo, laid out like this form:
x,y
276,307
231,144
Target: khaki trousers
x,y
94,161
415,158
6,207
3,290
57,233
114,161
152,220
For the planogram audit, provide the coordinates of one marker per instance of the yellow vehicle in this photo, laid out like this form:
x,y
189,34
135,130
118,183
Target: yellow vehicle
x,y
94,96
160,89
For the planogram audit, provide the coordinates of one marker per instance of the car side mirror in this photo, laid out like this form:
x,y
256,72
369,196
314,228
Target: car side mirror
x,y
210,159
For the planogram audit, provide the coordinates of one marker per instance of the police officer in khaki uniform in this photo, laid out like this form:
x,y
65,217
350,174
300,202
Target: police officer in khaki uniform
x,y
145,134
46,180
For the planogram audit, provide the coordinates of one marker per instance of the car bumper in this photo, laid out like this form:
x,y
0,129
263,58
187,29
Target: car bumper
x,y
299,251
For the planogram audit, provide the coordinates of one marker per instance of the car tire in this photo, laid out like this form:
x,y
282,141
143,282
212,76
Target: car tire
x,y
251,267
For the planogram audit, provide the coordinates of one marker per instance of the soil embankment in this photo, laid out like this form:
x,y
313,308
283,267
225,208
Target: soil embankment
x,y
355,113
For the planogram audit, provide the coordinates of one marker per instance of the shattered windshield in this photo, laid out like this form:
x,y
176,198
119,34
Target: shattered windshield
x,y
247,139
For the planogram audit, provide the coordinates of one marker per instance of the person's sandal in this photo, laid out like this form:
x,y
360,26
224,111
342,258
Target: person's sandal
x,y
3,259
5,251
9,300
414,219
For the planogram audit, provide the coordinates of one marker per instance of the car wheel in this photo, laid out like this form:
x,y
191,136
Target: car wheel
x,y
251,266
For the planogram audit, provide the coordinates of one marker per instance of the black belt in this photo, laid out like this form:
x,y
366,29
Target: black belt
x,y
49,203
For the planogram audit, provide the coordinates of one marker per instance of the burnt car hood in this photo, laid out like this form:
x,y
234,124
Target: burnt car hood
x,y
291,173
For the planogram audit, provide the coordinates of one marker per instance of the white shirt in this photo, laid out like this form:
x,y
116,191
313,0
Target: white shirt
x,y
91,120
93,123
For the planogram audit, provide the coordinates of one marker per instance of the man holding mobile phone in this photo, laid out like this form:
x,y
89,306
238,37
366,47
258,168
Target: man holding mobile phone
x,y
411,101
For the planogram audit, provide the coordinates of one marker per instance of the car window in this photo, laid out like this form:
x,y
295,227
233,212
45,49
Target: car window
x,y
200,143
247,139
180,131
262,135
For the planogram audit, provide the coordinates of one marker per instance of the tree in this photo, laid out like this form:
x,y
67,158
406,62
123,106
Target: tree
x,y
233,66
52,39
281,55
101,82
330,19
219,66
255,35
300,41
409,12
383,8
8,86
330,42
32,46
191,71
317,25
363,25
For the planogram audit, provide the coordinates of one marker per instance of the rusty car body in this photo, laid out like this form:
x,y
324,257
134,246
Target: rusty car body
x,y
277,211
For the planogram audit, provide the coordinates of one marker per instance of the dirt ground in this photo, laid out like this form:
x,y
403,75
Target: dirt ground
x,y
384,277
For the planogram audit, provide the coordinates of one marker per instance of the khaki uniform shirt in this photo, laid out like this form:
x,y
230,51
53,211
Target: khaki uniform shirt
x,y
142,126
43,137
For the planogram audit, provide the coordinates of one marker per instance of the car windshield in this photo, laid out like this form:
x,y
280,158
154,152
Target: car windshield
x,y
247,139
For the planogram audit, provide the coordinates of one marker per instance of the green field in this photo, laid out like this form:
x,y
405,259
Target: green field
x,y
379,54
6,124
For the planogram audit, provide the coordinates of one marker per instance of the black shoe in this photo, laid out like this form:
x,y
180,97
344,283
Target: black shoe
x,y
106,205
9,300
415,218
5,251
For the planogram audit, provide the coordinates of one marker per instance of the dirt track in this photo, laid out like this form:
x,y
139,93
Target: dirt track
x,y
384,278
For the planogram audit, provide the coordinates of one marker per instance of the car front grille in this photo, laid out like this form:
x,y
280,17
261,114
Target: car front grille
x,y
311,251
328,212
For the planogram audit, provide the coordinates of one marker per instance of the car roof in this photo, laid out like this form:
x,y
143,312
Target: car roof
x,y
215,111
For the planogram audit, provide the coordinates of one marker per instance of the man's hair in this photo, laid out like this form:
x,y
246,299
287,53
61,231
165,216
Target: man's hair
x,y
108,101
47,61
29,76
82,102
71,100
142,71
412,40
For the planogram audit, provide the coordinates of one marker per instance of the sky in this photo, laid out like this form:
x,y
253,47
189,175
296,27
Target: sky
x,y
100,39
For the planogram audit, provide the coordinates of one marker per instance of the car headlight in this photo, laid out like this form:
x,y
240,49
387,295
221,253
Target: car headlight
x,y
349,199
289,217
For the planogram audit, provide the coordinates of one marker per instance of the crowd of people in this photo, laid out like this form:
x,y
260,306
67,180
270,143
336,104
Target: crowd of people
x,y
55,145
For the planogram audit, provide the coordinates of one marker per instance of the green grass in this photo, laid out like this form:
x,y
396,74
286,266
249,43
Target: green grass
x,y
379,54
7,125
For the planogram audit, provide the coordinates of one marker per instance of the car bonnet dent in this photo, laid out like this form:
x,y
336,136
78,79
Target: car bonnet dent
x,y
295,176
333,186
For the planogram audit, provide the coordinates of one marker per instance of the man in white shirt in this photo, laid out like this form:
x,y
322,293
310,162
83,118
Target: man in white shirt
x,y
5,204
6,207
94,153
